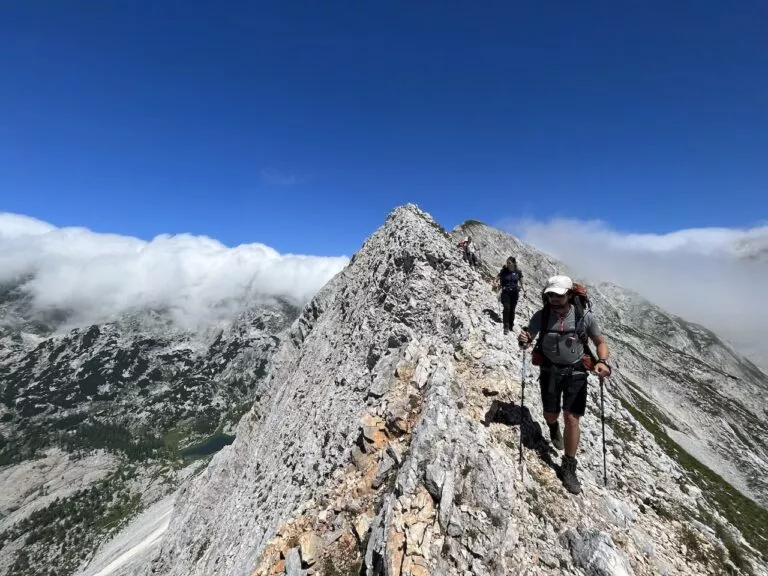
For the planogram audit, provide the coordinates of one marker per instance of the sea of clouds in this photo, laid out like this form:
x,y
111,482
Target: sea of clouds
x,y
97,277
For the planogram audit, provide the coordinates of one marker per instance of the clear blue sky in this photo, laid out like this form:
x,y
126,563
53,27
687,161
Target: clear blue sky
x,y
301,124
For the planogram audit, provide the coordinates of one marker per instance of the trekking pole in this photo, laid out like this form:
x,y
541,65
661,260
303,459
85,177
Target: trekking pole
x,y
602,419
522,407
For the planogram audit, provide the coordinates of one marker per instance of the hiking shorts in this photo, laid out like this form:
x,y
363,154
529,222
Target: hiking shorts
x,y
571,387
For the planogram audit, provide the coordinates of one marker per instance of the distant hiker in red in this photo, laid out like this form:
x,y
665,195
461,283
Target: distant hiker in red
x,y
563,355
511,282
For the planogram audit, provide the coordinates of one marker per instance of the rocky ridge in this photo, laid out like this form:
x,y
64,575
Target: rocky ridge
x,y
386,438
685,383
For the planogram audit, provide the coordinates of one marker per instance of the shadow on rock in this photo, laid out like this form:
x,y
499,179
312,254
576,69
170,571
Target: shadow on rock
x,y
493,315
513,414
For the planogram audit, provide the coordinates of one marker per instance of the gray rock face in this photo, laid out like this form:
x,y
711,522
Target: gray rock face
x,y
595,552
375,431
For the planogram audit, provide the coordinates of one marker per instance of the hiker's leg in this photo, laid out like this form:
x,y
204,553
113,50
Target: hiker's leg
x,y
572,433
550,398
512,305
505,302
574,405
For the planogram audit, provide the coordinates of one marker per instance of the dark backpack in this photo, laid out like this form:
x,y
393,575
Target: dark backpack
x,y
579,298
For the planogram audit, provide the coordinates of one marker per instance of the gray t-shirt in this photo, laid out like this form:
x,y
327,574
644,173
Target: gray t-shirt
x,y
561,344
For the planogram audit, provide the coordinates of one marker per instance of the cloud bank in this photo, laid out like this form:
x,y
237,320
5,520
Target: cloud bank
x,y
716,277
97,277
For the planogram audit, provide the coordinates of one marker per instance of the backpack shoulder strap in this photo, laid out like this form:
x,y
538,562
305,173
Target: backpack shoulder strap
x,y
544,325
581,314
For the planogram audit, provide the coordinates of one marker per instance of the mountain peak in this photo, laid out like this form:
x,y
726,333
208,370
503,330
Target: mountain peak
x,y
387,438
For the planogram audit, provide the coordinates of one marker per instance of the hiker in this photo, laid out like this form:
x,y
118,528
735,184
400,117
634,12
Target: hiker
x,y
463,246
563,355
510,279
469,251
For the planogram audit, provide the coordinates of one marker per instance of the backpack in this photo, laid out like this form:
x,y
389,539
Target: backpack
x,y
579,298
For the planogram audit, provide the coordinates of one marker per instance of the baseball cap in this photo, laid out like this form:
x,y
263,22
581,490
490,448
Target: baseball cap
x,y
559,285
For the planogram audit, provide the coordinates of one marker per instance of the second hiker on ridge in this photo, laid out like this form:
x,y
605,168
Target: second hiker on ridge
x,y
511,281
470,250
563,327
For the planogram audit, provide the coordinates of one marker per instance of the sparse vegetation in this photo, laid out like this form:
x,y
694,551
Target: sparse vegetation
x,y
750,519
690,538
74,526
330,568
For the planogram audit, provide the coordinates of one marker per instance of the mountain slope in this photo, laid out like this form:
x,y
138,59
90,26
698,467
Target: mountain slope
x,y
138,399
697,389
385,440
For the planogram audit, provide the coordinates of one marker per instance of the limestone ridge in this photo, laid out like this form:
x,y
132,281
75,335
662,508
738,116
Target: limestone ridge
x,y
696,389
372,448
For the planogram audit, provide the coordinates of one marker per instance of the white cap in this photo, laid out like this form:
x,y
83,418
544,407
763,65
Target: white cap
x,y
559,285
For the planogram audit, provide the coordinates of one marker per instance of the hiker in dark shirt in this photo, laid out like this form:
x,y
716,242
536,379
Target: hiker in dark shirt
x,y
511,281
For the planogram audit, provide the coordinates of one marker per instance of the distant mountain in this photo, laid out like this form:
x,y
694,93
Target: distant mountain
x,y
138,398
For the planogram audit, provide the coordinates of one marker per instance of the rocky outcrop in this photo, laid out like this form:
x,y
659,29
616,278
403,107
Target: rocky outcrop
x,y
389,438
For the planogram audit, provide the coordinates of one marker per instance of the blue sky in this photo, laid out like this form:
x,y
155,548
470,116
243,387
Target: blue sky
x,y
301,125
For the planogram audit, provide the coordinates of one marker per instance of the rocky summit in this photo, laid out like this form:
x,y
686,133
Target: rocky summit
x,y
398,431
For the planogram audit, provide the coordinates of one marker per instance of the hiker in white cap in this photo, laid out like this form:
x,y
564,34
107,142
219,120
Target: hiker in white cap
x,y
564,325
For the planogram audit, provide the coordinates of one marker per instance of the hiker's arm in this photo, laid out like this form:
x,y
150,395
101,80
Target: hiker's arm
x,y
533,326
602,347
596,335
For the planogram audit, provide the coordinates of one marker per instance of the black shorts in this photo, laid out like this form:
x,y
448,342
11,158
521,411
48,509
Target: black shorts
x,y
572,386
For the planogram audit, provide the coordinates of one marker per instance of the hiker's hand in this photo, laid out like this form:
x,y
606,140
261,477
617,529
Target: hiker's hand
x,y
524,339
603,370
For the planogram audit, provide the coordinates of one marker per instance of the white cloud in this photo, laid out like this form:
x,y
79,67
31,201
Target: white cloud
x,y
197,279
716,277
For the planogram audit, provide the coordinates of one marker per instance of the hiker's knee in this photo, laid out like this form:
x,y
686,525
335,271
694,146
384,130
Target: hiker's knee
x,y
570,418
551,417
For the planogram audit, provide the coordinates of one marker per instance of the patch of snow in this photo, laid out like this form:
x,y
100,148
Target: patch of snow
x,y
132,549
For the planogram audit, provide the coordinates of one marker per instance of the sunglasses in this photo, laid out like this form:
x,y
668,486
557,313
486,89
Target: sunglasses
x,y
553,295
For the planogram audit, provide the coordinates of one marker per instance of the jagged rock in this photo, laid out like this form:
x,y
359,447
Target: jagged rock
x,y
384,376
310,547
395,452
382,471
397,416
362,525
293,563
433,480
596,553
358,457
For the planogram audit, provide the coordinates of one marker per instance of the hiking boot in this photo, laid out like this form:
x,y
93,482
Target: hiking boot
x,y
568,475
555,436
506,330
